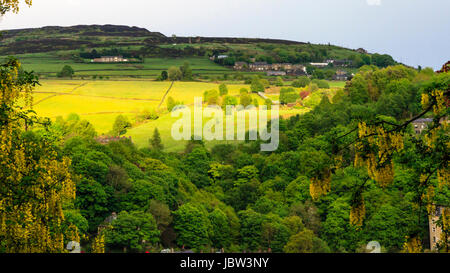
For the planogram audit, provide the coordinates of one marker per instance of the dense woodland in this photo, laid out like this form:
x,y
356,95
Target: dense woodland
x,y
237,198
349,172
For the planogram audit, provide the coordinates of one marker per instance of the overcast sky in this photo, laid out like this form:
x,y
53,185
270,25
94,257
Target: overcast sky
x,y
415,32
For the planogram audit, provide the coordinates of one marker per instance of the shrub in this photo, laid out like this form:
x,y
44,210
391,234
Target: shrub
x,y
301,82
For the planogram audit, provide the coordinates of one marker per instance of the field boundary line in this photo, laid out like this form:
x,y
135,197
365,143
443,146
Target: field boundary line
x,y
60,94
165,95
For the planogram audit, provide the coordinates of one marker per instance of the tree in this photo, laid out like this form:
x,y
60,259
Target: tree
x,y
256,85
34,180
245,99
221,230
134,231
121,124
164,76
268,103
161,213
302,81
197,164
186,72
288,95
175,74
66,72
223,89
382,60
192,225
229,100
171,103
155,141
279,82
251,229
322,84
92,201
306,242
118,179
211,97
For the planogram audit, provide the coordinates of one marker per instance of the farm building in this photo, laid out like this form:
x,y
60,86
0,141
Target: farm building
x,y
340,76
320,65
421,124
435,229
259,66
276,73
361,50
110,59
240,65
343,63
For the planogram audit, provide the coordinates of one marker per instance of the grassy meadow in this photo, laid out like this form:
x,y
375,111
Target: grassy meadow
x,y
100,102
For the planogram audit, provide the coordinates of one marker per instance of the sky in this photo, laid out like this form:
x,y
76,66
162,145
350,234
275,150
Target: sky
x,y
414,32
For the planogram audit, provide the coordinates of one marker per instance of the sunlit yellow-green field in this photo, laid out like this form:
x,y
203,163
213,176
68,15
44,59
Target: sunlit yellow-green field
x,y
100,102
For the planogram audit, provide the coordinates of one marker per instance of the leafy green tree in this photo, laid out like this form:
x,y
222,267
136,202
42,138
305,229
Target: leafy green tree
x,y
337,231
118,179
92,201
318,74
256,85
141,194
132,231
245,99
186,72
164,76
211,97
192,225
306,242
223,89
268,103
175,74
288,95
274,234
279,82
162,214
382,60
171,103
121,124
155,141
229,100
197,163
322,84
66,72
302,81
221,231
251,229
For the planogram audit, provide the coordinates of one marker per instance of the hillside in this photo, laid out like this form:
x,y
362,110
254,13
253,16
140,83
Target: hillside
x,y
46,50
35,40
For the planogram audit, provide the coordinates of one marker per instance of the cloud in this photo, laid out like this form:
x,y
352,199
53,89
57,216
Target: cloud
x,y
374,2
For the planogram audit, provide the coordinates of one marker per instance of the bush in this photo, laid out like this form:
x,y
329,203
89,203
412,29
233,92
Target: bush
x,y
211,97
175,74
257,85
322,84
229,100
223,89
301,82
66,72
171,103
288,95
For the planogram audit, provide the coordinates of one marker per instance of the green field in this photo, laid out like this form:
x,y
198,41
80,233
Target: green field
x,y
100,102
49,64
